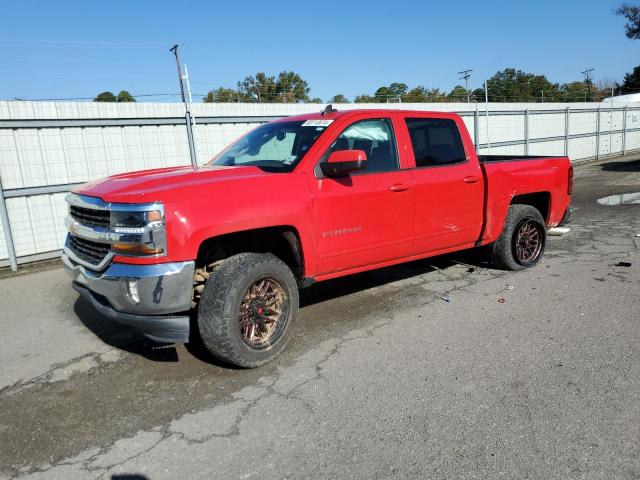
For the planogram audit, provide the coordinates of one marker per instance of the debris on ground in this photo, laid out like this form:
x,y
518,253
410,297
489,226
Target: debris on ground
x,y
509,287
502,300
471,269
623,264
445,298
558,231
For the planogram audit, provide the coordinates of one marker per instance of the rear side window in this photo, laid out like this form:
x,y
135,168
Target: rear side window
x,y
435,141
375,138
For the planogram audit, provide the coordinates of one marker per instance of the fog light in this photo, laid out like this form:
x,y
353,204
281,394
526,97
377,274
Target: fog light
x,y
132,291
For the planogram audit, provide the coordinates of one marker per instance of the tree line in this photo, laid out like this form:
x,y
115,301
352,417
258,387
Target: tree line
x,y
508,85
123,96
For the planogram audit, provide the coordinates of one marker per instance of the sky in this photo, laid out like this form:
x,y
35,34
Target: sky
x,y
76,49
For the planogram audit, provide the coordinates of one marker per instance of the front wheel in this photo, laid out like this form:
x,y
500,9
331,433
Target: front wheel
x,y
522,241
247,309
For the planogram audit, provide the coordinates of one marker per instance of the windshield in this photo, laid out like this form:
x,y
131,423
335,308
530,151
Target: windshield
x,y
277,146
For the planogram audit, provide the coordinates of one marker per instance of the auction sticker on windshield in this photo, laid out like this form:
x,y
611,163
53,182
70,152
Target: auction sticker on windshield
x,y
317,123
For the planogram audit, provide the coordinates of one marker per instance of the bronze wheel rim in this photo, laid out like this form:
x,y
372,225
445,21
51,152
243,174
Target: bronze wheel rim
x,y
263,313
528,242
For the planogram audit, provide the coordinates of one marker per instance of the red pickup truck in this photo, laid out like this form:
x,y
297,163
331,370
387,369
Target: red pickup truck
x,y
221,250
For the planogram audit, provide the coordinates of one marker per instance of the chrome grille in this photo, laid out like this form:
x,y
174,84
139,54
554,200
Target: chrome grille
x,y
90,217
91,252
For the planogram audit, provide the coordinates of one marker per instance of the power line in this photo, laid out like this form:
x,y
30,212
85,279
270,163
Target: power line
x,y
587,79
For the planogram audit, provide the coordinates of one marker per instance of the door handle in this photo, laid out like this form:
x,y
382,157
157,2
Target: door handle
x,y
399,187
471,179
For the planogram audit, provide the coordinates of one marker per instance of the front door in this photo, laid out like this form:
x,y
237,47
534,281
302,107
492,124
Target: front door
x,y
365,218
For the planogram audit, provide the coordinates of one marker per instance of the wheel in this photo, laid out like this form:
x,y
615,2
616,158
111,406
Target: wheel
x,y
522,241
247,309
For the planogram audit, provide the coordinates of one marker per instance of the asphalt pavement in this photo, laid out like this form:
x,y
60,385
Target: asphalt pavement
x,y
441,369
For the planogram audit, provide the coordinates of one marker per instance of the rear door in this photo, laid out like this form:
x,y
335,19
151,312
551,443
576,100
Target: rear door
x,y
448,181
365,218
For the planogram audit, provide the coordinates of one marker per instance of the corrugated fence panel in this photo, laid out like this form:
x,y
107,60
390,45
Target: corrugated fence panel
x,y
135,136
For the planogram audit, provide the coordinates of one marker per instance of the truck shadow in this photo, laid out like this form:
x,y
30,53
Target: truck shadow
x,y
127,339
633,166
350,284
120,336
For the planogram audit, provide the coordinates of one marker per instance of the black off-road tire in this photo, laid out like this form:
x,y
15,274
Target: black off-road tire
x,y
219,306
503,254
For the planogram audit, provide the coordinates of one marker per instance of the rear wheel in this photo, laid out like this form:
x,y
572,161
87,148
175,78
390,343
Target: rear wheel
x,y
522,241
247,309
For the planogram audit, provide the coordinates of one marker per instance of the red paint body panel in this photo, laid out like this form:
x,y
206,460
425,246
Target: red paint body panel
x,y
349,224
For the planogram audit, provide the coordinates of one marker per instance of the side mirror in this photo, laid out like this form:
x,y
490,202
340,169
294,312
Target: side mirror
x,y
342,162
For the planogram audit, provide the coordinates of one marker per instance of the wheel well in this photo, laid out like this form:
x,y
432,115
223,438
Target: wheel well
x,y
539,200
283,242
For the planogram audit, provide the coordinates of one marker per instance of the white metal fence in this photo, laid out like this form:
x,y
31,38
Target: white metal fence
x,y
48,147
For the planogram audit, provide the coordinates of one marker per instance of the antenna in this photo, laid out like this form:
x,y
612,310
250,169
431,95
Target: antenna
x,y
328,109
466,74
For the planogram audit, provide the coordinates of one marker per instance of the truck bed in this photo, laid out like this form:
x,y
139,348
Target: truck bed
x,y
507,176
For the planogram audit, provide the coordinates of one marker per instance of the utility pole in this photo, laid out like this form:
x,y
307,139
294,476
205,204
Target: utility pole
x,y
193,117
187,116
587,79
486,111
466,74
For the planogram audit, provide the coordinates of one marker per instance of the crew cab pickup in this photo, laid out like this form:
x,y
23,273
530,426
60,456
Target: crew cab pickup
x,y
220,251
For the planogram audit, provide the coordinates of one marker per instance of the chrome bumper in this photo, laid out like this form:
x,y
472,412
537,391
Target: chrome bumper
x,y
142,296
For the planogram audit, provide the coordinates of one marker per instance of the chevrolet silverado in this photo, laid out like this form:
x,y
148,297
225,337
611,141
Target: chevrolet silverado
x,y
221,250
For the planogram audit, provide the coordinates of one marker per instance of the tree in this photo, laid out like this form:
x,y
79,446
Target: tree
x,y
511,85
631,82
393,91
288,87
364,98
339,98
260,88
221,95
458,94
314,100
106,97
417,94
125,96
291,88
632,14
573,92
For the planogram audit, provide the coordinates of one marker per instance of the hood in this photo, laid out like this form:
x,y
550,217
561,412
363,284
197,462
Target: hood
x,y
152,185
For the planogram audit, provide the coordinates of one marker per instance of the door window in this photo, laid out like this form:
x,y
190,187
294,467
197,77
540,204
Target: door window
x,y
375,138
435,141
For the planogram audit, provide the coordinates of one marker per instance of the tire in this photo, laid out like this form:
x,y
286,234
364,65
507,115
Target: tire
x,y
505,251
237,283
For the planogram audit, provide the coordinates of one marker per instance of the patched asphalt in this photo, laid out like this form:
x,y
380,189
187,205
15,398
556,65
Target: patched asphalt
x,y
443,368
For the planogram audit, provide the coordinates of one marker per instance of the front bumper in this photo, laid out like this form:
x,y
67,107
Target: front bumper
x,y
154,299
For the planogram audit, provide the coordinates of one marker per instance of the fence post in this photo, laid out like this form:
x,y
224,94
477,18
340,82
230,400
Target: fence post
x,y
476,128
624,132
526,131
611,130
566,131
4,216
598,134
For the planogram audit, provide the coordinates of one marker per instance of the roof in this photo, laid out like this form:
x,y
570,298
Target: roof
x,y
334,115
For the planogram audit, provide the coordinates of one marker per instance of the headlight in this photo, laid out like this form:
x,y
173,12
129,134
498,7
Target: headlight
x,y
140,232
